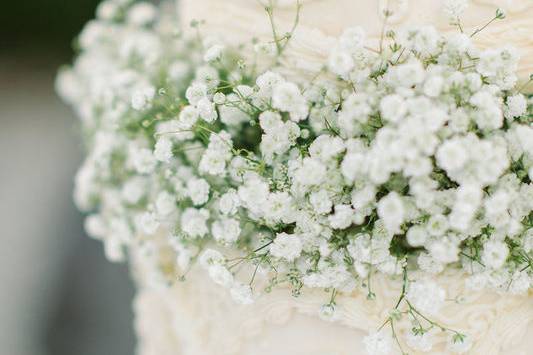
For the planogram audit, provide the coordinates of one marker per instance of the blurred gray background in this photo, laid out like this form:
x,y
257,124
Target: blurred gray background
x,y
58,294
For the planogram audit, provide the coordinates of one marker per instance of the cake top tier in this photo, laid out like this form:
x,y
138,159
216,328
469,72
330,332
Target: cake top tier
x,y
321,21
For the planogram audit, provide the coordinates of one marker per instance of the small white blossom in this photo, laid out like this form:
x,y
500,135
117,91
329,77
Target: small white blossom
x,y
392,211
494,254
134,189
459,344
220,275
327,312
143,160
165,203
229,202
188,117
142,98
286,246
194,222
142,13
437,225
266,83
163,150
219,98
287,97
206,110
107,10
198,191
312,172
95,226
452,155
320,202
433,86
211,257
226,230
393,108
213,53
443,250
516,106
196,92
426,296
420,342
326,147
417,236
342,218
148,222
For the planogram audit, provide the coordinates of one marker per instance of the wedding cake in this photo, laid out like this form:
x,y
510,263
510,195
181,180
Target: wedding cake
x,y
447,304
322,21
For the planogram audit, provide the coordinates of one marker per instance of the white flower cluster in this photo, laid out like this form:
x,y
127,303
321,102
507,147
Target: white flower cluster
x,y
419,156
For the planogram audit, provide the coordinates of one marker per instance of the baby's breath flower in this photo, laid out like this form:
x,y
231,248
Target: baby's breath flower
x,y
206,110
426,296
420,341
141,99
198,191
412,159
214,53
163,150
459,344
194,222
143,160
142,13
196,92
494,254
165,203
242,294
148,223
287,97
286,246
188,117
391,210
342,218
226,230
516,106
220,275
219,98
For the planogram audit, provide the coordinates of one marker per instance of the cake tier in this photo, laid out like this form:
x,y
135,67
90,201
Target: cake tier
x,y
321,21
197,317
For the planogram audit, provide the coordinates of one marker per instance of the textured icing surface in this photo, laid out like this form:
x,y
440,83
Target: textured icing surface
x,y
238,21
199,318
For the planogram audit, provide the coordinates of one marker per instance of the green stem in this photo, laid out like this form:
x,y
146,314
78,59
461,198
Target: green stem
x,y
382,36
484,26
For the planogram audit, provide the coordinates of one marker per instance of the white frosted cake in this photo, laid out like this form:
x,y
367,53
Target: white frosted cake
x,y
322,21
313,177
197,317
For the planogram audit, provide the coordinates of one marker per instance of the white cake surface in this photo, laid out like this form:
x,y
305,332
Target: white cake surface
x,y
197,317
321,21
